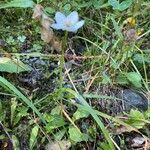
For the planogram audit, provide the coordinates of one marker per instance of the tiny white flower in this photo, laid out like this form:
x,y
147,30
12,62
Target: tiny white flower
x,y
68,23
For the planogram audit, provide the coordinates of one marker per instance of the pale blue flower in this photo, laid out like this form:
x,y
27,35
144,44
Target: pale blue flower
x,y
68,23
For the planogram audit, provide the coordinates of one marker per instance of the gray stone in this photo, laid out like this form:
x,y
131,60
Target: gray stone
x,y
135,100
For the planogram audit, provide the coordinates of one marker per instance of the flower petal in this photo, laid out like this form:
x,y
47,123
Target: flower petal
x,y
57,26
73,17
75,27
59,17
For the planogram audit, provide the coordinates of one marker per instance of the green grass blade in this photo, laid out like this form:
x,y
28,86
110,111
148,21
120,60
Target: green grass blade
x,y
94,115
12,88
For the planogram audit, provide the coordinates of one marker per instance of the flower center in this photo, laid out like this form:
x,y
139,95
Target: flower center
x,y
67,23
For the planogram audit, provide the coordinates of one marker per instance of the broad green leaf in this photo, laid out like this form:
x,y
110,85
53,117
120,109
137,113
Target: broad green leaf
x,y
56,110
54,121
122,79
18,3
15,142
136,119
147,113
22,112
75,135
125,4
114,4
80,113
12,65
2,136
135,79
59,135
120,6
33,136
6,84
141,58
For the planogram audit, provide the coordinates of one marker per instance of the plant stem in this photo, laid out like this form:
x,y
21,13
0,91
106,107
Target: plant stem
x,y
64,45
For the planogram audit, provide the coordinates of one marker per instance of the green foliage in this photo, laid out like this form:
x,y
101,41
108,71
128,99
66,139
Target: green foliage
x,y
19,114
53,122
15,142
12,88
134,78
117,29
106,54
136,119
120,6
12,65
142,58
130,78
80,113
17,3
76,136
33,136
94,115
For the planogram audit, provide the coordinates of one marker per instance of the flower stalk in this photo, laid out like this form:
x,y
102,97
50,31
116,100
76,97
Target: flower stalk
x,y
62,60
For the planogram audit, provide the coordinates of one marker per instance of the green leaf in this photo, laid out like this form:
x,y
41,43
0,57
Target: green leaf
x,y
75,135
141,58
136,119
54,121
147,113
134,78
125,4
22,112
94,115
117,28
122,79
114,4
59,135
12,88
33,136
12,65
13,108
120,6
18,3
80,113
2,113
56,110
15,142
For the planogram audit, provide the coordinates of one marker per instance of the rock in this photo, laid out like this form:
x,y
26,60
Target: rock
x,y
135,100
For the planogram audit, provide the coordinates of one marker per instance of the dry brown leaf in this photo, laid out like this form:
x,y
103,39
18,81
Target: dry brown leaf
x,y
147,145
46,21
120,130
38,11
46,35
59,145
56,44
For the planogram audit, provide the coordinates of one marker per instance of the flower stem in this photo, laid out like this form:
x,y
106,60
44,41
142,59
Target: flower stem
x,y
62,60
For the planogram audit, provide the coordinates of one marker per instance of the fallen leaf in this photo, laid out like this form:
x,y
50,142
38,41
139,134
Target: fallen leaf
x,y
147,145
38,11
120,130
46,21
46,35
56,44
59,145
